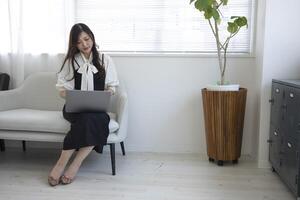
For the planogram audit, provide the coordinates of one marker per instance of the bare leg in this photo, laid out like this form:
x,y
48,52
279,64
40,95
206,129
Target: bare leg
x,y
71,172
59,166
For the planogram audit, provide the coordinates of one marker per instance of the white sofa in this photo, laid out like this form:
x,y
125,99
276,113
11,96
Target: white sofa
x,y
33,112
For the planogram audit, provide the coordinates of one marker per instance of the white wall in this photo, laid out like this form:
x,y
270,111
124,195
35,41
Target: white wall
x,y
281,59
165,105
165,101
260,33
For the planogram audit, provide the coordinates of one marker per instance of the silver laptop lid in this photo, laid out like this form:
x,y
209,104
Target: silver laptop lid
x,y
87,101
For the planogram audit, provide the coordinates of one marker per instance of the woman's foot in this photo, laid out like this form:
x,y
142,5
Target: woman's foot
x,y
52,181
55,174
70,173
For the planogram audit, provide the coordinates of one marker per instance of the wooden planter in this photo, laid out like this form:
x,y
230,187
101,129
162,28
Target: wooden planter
x,y
224,113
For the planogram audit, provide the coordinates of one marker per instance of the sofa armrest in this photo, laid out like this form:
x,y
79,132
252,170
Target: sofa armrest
x,y
10,99
122,115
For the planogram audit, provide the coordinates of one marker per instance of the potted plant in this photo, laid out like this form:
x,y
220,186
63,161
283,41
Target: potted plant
x,y
223,104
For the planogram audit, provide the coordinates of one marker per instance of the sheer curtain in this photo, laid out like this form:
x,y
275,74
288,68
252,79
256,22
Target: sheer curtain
x,y
33,34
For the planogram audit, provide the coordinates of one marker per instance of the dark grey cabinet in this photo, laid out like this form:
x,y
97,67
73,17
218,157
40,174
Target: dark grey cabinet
x,y
285,132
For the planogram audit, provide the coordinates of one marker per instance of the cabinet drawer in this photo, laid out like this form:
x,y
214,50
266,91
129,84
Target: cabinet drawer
x,y
276,103
275,148
290,159
292,112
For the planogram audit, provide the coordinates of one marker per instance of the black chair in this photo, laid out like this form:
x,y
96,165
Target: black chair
x,y
4,83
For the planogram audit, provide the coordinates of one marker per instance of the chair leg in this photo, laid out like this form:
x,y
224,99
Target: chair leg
x,y
2,145
113,158
123,148
24,145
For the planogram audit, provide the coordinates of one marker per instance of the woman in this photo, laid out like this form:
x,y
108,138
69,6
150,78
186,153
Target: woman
x,y
84,68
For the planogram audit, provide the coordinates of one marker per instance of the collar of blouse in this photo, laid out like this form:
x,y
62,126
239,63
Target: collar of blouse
x,y
87,69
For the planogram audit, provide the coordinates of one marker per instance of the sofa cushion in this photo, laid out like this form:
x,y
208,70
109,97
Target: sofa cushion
x,y
41,120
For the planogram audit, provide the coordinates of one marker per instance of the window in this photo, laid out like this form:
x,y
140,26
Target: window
x,y
158,25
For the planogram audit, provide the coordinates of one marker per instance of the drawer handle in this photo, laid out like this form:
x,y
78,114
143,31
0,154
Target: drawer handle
x,y
292,95
277,90
275,133
289,145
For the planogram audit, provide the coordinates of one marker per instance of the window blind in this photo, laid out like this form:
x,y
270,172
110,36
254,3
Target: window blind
x,y
159,25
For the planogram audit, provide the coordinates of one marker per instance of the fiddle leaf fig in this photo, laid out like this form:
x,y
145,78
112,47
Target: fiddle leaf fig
x,y
211,10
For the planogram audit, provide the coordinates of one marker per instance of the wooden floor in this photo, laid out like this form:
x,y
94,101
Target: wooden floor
x,y
139,176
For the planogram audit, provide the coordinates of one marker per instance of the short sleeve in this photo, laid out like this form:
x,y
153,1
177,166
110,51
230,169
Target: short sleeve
x,y
65,79
111,79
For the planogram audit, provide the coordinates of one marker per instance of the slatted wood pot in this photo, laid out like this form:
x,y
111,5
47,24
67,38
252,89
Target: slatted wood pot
x,y
224,113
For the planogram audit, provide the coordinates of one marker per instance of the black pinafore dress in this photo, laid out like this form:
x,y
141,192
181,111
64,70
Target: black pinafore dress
x,y
90,128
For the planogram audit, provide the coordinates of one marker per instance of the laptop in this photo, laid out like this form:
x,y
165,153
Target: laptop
x,y
87,101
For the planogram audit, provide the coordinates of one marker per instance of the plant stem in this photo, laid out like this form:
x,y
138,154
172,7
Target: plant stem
x,y
225,59
212,28
218,5
219,52
229,37
214,32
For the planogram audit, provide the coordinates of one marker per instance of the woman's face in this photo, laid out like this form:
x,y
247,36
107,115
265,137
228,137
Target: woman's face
x,y
85,43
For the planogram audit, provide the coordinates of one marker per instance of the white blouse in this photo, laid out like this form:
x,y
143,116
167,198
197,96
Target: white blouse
x,y
87,69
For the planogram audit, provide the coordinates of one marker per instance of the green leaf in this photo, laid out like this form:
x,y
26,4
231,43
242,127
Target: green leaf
x,y
198,6
232,27
208,13
216,14
203,5
241,21
191,1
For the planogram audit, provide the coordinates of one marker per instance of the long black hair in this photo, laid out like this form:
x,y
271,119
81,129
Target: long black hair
x,y
73,50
